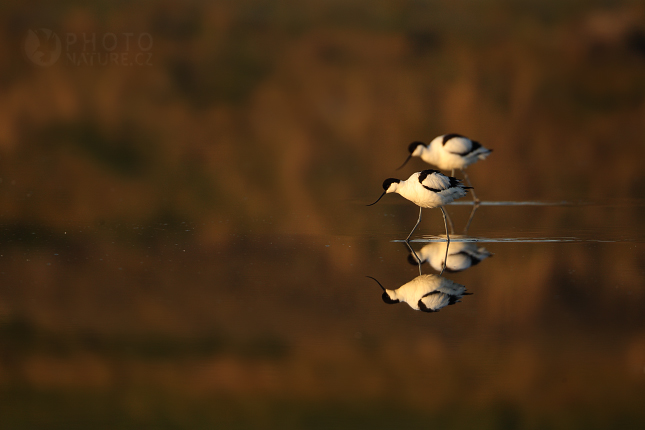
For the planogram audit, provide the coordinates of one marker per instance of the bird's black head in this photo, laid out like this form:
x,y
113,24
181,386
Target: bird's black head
x,y
385,296
390,181
413,146
386,185
387,299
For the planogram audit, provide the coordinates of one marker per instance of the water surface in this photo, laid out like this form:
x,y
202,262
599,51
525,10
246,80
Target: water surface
x,y
136,319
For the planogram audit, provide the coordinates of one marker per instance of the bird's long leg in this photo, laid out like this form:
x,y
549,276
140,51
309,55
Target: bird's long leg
x,y
452,227
472,190
416,257
445,260
452,173
407,239
472,215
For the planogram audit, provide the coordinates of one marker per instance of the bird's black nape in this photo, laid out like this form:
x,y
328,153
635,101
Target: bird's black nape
x,y
387,299
390,181
413,146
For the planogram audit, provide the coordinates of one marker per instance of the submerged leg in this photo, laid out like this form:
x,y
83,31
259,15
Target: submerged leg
x,y
407,239
472,190
470,219
445,260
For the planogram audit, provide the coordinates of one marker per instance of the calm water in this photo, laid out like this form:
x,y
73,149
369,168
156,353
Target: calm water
x,y
185,242
126,325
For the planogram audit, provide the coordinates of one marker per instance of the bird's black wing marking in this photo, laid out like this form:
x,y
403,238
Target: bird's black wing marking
x,y
424,308
424,174
475,146
452,299
473,259
431,293
449,136
454,182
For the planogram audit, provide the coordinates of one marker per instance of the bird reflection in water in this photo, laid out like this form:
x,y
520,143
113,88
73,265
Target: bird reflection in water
x,y
461,255
427,293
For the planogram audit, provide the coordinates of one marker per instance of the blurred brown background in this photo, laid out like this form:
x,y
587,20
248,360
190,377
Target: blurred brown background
x,y
164,224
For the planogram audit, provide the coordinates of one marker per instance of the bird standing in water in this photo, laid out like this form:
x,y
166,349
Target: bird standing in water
x,y
427,189
449,152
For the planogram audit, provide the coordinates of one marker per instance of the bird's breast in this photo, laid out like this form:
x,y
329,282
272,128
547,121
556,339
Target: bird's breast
x,y
421,197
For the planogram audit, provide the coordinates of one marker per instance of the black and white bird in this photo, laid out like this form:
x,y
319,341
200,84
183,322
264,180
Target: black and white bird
x,y
427,293
462,255
449,152
427,189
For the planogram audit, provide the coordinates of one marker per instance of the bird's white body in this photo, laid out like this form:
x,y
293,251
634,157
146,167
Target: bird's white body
x,y
426,189
451,151
428,293
462,255
429,189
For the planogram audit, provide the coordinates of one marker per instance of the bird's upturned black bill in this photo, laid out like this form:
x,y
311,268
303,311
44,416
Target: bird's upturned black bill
x,y
382,287
384,192
405,162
